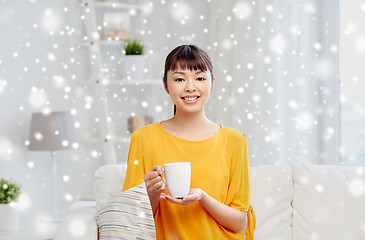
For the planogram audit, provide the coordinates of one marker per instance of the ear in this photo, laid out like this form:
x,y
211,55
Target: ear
x,y
165,86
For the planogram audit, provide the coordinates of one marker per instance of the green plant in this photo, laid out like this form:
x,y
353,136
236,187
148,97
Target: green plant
x,y
9,191
133,47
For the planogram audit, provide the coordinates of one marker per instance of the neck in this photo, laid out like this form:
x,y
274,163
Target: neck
x,y
190,120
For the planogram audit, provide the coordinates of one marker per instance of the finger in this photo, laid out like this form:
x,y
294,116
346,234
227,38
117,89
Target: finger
x,y
176,200
148,176
158,169
173,200
154,185
159,185
164,184
151,174
153,181
163,196
190,198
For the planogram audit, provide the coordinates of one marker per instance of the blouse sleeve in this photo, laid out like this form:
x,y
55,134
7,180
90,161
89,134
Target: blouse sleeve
x,y
239,188
135,168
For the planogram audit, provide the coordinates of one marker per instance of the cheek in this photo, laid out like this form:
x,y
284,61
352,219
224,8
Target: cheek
x,y
207,88
174,89
174,94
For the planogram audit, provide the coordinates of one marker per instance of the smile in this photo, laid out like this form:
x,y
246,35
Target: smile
x,y
191,99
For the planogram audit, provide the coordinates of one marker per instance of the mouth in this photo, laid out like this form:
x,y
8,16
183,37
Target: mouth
x,y
190,98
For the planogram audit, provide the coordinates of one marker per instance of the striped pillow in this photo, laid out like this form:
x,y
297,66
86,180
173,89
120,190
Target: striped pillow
x,y
127,215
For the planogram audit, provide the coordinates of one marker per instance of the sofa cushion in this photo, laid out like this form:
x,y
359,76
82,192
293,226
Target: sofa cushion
x,y
271,196
328,202
109,180
127,215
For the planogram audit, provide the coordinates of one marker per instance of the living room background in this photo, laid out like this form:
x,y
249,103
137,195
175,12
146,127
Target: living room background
x,y
288,76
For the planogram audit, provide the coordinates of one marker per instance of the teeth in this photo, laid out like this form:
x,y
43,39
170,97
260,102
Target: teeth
x,y
190,98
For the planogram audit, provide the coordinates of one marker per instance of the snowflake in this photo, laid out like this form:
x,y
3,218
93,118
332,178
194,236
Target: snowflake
x,y
357,187
360,44
278,44
242,10
77,227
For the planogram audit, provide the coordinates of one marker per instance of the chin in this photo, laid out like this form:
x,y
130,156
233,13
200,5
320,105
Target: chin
x,y
190,110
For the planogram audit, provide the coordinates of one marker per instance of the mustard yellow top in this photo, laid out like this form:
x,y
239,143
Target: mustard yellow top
x,y
219,166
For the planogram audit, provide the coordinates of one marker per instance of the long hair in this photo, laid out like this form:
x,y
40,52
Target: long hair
x,y
188,57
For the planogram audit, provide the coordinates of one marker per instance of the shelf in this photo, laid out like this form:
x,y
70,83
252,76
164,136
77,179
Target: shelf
x,y
116,4
112,4
119,139
102,43
123,82
125,139
108,82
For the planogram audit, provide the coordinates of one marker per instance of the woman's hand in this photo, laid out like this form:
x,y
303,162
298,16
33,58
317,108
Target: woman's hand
x,y
155,184
195,194
227,216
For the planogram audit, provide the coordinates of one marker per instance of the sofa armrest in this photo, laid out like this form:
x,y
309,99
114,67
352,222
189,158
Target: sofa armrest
x,y
79,222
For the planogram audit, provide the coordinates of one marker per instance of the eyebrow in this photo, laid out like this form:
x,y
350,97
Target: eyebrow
x,y
178,73
198,72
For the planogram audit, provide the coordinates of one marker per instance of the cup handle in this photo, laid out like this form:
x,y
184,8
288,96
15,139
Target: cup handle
x,y
163,177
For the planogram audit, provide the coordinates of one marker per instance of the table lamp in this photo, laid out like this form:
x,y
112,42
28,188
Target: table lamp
x,y
52,132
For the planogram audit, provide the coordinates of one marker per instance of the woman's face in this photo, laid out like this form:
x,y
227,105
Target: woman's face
x,y
189,89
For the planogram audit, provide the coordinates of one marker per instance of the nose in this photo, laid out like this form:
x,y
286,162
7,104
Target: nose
x,y
190,86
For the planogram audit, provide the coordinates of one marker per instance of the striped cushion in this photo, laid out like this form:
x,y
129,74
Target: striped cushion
x,y
128,215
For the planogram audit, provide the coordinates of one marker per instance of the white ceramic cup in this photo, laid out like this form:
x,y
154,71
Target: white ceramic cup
x,y
177,177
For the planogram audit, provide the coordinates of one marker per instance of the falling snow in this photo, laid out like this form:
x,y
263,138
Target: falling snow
x,y
277,80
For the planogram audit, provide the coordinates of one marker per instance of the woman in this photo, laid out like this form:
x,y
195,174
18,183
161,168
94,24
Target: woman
x,y
218,202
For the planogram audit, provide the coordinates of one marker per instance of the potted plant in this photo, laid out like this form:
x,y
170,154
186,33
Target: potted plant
x,y
133,47
134,61
9,193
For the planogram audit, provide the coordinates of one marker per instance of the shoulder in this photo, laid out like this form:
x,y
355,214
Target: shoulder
x,y
234,138
233,133
147,130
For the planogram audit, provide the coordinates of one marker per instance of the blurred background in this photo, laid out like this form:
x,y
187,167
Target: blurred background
x,y
289,75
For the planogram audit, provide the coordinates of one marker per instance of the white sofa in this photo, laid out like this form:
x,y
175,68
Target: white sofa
x,y
299,202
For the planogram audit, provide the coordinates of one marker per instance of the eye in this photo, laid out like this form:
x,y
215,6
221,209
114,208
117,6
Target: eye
x,y
179,79
200,79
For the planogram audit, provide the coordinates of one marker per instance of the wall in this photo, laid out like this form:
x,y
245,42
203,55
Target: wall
x,y
36,74
40,65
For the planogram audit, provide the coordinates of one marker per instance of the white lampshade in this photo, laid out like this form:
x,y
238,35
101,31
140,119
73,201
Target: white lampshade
x,y
51,132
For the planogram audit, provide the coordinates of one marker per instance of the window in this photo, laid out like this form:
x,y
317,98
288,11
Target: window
x,y
352,74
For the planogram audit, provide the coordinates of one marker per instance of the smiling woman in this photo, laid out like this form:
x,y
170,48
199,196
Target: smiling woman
x,y
218,203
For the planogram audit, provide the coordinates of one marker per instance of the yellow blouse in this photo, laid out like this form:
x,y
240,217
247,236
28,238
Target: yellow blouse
x,y
219,166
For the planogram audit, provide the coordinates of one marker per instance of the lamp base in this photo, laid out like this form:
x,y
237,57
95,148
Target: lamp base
x,y
9,220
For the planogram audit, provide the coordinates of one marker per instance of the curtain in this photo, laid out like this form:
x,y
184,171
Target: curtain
x,y
276,69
